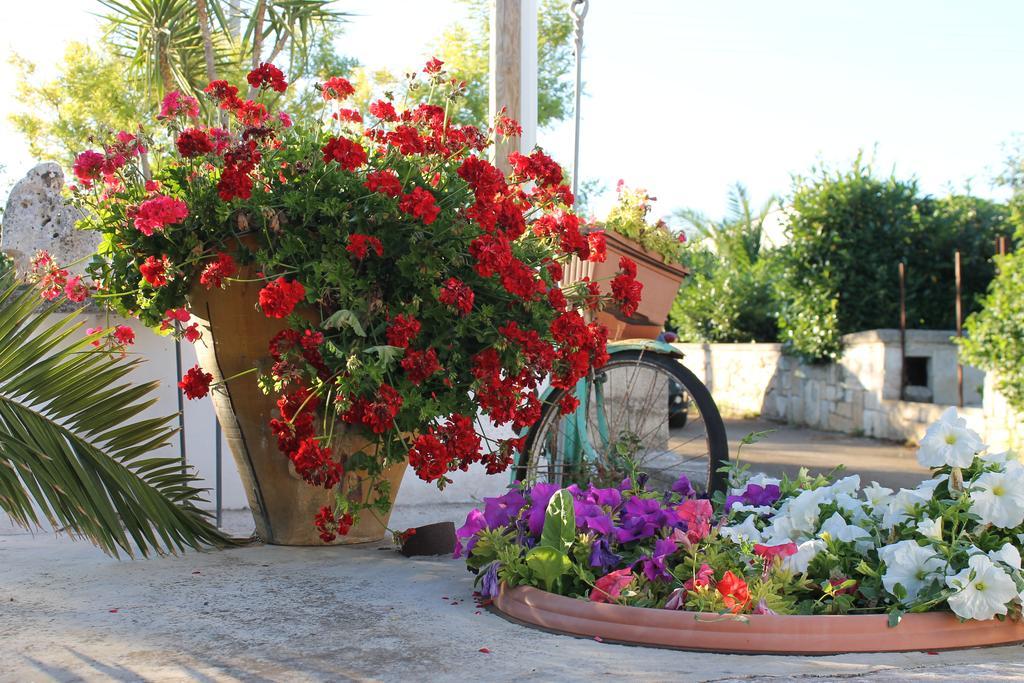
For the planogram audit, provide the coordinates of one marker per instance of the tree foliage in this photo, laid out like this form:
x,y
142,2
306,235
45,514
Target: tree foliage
x,y
848,232
729,294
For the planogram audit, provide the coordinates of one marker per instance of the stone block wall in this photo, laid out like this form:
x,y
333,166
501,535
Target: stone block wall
x,y
858,395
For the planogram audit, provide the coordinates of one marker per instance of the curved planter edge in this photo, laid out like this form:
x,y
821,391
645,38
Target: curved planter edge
x,y
753,633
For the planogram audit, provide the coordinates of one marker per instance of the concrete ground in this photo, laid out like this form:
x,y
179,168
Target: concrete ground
x,y
264,613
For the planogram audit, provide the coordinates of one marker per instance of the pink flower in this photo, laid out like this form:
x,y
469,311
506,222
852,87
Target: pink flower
x,y
697,515
610,586
176,103
158,212
702,580
91,331
75,290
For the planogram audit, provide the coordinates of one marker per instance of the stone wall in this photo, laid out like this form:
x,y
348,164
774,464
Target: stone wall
x,y
858,395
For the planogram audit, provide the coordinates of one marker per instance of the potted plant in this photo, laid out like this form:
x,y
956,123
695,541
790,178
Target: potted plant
x,y
657,252
362,288
809,565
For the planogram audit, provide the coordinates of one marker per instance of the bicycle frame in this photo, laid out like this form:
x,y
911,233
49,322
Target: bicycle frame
x,y
578,445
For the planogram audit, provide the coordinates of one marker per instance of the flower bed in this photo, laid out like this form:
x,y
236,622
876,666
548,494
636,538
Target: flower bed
x,y
818,558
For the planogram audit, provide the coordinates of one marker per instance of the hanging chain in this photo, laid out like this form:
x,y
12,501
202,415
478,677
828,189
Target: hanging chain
x,y
578,10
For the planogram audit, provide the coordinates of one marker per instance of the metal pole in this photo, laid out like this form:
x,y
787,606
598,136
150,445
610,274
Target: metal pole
x,y
219,451
181,397
959,329
903,327
578,10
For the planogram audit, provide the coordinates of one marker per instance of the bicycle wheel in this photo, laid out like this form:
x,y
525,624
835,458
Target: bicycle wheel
x,y
625,416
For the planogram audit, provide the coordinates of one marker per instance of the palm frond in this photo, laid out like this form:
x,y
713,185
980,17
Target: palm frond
x,y
73,448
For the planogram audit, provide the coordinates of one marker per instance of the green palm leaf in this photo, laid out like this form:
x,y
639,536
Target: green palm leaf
x,y
73,450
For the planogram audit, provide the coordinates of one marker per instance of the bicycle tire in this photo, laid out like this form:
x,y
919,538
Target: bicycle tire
x,y
717,446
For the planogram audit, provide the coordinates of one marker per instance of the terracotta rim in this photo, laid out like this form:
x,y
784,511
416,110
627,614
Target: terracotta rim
x,y
751,634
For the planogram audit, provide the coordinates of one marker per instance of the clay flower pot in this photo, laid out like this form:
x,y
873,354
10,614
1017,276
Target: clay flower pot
x,y
751,633
234,339
661,284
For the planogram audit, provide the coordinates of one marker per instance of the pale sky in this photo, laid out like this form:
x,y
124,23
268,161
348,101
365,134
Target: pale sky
x,y
689,96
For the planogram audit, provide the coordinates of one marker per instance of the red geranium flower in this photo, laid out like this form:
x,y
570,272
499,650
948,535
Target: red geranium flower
x,y
421,204
336,88
154,271
433,66
267,76
420,365
402,330
457,293
349,154
384,110
124,335
385,182
280,297
87,166
195,383
214,273
158,212
194,142
176,103
359,245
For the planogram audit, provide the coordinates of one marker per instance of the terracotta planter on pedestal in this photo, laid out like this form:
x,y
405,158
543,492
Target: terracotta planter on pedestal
x,y
234,339
751,633
661,284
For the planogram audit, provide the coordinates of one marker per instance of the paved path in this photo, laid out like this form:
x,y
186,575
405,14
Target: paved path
x,y
266,613
787,449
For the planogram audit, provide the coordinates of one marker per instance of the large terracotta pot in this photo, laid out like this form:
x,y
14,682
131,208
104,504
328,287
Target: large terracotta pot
x,y
752,633
661,284
234,339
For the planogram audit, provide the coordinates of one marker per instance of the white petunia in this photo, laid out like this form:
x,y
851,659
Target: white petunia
x,y
998,497
848,485
756,509
930,528
910,565
781,530
999,458
948,441
851,506
805,552
805,508
747,531
877,496
1008,554
836,527
983,589
900,506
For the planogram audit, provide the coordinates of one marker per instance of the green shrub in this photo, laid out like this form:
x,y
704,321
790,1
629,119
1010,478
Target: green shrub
x,y
995,334
849,230
729,295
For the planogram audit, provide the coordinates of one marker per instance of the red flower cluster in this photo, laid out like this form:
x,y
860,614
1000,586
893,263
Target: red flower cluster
x,y
329,526
385,182
384,110
267,76
377,415
280,297
154,271
158,212
455,445
195,383
239,162
336,88
359,245
177,104
214,273
402,330
194,142
420,365
349,154
626,289
458,294
421,204
124,335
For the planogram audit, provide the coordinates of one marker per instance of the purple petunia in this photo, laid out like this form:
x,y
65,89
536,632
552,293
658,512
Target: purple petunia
x,y
755,494
501,510
642,518
601,554
475,523
540,496
683,487
654,566
489,583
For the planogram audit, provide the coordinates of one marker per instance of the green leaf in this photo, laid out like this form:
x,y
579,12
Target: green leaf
x,y
547,564
754,437
386,354
74,447
344,318
559,522
895,617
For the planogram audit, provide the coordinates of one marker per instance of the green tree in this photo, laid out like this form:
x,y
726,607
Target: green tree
x,y
90,95
152,46
728,295
848,232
